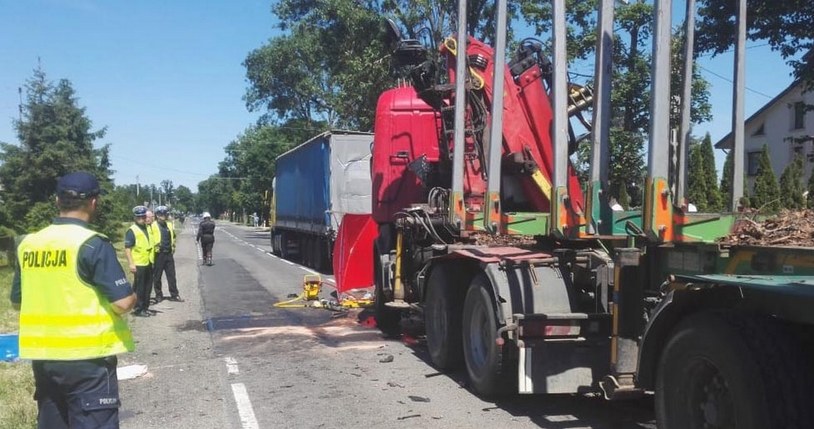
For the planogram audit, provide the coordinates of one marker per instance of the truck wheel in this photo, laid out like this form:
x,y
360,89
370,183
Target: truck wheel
x,y
487,364
442,318
387,319
730,371
275,250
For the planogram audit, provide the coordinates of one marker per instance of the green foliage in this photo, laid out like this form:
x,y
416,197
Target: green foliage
x,y
766,192
627,167
726,179
785,25
791,185
40,215
630,97
702,177
55,137
184,199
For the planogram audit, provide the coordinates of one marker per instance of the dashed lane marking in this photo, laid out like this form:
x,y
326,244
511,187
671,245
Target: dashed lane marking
x,y
244,407
231,365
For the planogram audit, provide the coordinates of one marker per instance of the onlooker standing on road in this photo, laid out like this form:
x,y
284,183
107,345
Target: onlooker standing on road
x,y
164,260
138,248
206,236
71,292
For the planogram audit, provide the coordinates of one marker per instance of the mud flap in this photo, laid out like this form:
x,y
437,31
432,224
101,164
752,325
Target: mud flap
x,y
564,366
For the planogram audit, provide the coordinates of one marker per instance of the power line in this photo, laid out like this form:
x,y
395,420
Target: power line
x,y
730,81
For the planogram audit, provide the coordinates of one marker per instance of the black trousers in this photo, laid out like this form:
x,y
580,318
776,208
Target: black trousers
x,y
207,242
164,263
143,283
78,394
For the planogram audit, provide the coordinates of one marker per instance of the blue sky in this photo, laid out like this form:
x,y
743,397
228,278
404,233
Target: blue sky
x,y
166,77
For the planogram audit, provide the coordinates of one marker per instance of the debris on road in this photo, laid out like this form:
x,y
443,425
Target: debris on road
x,y
130,372
418,398
409,417
387,359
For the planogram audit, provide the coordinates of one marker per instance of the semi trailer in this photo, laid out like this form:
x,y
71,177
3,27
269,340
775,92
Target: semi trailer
x,y
315,185
527,279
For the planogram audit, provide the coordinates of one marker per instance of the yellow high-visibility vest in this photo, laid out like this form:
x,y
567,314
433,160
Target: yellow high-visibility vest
x,y
157,235
142,251
62,317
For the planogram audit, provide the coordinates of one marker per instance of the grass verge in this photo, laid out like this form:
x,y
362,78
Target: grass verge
x,y
18,410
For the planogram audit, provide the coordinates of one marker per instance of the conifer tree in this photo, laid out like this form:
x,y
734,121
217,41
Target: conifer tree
x,y
726,180
791,185
696,193
55,137
710,176
766,193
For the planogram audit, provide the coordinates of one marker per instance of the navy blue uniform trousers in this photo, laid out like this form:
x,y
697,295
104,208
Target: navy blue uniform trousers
x,y
77,394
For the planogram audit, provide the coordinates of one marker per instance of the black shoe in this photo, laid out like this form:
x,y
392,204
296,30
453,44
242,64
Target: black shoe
x,y
142,313
152,312
156,300
175,299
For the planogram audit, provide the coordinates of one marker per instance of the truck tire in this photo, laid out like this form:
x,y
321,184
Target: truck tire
x,y
489,366
724,370
443,311
275,249
387,319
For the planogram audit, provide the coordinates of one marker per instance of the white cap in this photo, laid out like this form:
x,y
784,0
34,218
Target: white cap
x,y
206,215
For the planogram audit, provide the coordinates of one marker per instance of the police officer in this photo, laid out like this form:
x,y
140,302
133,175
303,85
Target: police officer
x,y
164,260
206,236
138,248
72,292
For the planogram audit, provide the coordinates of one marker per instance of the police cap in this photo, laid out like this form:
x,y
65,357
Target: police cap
x,y
139,211
79,184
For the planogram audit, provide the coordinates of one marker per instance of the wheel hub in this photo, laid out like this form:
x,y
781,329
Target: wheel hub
x,y
713,407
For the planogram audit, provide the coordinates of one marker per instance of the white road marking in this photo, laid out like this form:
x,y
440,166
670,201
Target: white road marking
x,y
231,365
287,261
244,407
310,271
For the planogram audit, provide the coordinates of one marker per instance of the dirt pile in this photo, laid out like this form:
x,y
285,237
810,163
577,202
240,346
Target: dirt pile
x,y
788,228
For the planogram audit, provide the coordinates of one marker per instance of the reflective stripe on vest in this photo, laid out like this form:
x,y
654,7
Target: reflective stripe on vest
x,y
142,251
61,316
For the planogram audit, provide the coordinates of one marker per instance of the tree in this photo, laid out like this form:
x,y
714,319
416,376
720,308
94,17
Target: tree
x,y
55,137
184,199
168,191
630,98
785,25
702,177
726,179
766,192
791,185
696,189
331,62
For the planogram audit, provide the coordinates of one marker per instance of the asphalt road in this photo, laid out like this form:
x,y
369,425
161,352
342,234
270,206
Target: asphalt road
x,y
226,358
